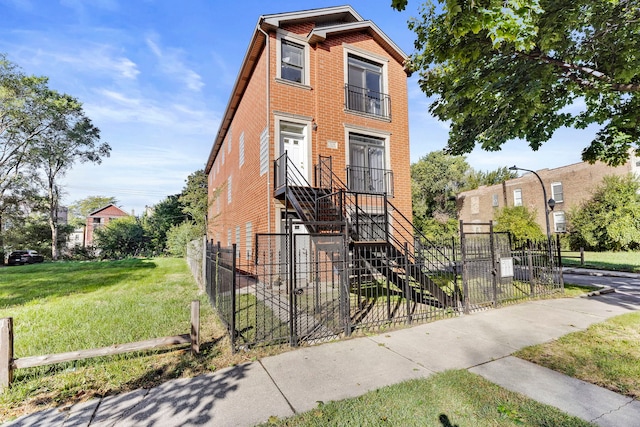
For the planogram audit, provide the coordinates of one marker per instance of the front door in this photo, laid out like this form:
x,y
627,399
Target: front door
x,y
293,142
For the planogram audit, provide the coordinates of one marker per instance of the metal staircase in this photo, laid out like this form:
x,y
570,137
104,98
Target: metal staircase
x,y
382,241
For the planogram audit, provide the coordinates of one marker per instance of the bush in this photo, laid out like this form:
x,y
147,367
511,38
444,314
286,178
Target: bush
x,y
520,222
179,236
610,220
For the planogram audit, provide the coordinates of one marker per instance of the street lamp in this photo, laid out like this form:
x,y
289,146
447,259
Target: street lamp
x,y
549,204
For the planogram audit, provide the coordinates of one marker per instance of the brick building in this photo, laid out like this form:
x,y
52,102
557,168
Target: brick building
x,y
568,185
100,218
322,82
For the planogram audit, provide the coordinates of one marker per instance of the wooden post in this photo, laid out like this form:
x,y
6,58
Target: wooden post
x,y
6,352
195,327
581,256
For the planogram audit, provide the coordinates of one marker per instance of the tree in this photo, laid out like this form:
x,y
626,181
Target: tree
x,y
519,221
510,69
179,236
194,199
477,178
120,238
165,214
69,137
610,219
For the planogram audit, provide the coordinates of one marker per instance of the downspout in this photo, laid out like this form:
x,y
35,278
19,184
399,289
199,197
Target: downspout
x,y
269,199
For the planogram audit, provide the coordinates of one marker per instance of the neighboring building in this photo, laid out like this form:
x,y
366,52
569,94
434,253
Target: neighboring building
x,y
322,82
100,218
568,185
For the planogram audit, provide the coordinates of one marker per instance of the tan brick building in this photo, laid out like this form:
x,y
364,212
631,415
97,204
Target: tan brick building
x,y
568,185
322,82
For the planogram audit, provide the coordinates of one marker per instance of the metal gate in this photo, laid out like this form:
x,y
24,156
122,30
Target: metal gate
x,y
496,271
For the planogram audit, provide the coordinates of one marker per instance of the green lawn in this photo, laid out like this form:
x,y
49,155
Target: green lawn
x,y
61,307
448,399
616,261
606,354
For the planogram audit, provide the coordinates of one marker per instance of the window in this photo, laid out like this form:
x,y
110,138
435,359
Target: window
x,y
249,239
229,140
292,61
364,92
371,227
517,197
229,190
228,237
237,241
264,151
495,201
556,191
222,156
475,204
366,172
559,224
241,149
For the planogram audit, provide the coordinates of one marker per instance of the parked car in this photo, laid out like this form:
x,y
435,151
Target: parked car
x,y
24,257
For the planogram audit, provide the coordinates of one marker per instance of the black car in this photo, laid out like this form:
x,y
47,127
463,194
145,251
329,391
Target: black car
x,y
24,257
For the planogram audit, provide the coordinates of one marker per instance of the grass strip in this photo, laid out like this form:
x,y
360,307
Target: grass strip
x,y
606,354
450,398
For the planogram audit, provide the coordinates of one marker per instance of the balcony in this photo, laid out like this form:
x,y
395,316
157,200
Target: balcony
x,y
366,101
369,180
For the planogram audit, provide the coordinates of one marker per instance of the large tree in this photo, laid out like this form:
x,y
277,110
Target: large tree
x,y
520,69
80,209
70,137
194,199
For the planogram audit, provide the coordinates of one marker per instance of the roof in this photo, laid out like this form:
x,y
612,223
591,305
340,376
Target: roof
x,y
110,205
328,21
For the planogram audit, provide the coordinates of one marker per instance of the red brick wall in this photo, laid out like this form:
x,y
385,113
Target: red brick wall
x,y
323,101
105,216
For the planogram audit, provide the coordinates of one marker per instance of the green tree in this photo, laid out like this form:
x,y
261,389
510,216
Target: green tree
x,y
519,221
164,215
194,199
69,138
610,219
120,238
477,178
510,69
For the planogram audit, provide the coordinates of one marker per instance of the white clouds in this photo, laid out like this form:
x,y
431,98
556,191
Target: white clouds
x,y
170,62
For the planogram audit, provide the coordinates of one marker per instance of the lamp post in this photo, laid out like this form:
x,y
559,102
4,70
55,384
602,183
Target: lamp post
x,y
548,207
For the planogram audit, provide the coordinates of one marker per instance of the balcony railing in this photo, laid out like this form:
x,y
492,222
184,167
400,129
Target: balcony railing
x,y
367,101
370,180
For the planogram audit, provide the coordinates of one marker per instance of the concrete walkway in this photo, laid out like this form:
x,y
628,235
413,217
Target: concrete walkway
x,y
296,381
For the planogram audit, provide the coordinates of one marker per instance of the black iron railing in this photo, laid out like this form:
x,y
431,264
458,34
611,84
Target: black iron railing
x,y
367,101
370,180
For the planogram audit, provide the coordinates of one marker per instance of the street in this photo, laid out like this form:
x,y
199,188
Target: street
x,y
624,285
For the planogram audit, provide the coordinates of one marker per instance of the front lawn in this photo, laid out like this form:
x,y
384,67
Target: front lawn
x,y
615,261
67,306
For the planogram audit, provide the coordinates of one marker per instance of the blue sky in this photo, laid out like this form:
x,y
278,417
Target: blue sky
x,y
155,77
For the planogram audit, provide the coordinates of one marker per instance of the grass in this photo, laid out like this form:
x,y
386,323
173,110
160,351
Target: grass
x,y
606,354
616,261
61,307
571,290
447,399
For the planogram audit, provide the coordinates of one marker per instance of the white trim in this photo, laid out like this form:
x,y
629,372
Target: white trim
x,y
370,56
299,120
293,38
386,136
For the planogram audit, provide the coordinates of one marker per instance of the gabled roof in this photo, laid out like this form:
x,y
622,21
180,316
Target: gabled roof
x,y
110,205
328,21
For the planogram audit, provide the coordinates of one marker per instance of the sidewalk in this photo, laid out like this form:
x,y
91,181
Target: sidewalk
x,y
296,381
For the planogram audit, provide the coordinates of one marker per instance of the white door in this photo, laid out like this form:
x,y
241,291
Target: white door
x,y
293,142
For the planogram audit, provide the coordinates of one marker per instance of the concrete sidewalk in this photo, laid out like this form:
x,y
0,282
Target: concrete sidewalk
x,y
296,381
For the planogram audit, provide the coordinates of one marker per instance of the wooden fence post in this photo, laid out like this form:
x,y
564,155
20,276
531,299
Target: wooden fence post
x,y
195,326
581,256
6,352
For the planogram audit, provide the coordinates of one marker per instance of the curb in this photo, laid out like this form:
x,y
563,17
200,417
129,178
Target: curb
x,y
603,291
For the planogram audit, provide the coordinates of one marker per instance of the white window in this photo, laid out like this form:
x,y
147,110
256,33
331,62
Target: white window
x,y
222,156
264,151
229,190
292,61
556,191
237,241
517,197
495,201
366,172
228,237
365,86
249,239
559,224
241,149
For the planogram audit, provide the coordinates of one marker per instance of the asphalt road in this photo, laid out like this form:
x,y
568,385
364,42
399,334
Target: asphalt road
x,y
625,285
